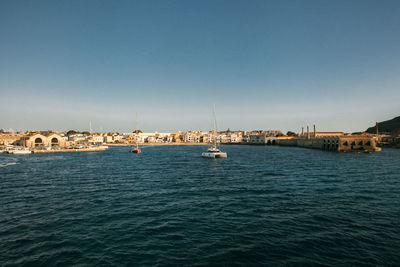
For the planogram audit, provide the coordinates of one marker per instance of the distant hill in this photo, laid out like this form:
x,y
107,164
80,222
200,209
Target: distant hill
x,y
389,126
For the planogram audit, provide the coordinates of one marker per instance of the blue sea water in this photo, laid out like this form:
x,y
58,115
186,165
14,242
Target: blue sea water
x,y
168,206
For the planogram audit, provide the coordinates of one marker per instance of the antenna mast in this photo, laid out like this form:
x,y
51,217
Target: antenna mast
x,y
215,127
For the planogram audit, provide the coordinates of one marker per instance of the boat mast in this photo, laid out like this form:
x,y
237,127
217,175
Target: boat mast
x,y
136,139
215,128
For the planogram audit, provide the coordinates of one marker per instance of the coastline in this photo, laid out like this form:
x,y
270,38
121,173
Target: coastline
x,y
161,144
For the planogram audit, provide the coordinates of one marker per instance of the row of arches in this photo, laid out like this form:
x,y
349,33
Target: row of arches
x,y
359,143
38,141
271,142
53,142
331,144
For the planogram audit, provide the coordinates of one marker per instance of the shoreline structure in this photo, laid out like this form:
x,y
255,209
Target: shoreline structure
x,y
52,142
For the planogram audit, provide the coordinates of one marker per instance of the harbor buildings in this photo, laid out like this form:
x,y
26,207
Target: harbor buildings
x,y
38,140
333,141
9,139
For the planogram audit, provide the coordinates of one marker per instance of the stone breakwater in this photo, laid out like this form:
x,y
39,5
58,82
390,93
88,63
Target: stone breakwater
x,y
335,143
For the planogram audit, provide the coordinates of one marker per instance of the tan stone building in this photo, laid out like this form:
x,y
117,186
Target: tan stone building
x,y
9,139
44,140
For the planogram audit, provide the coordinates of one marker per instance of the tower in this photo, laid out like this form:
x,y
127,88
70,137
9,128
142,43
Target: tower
x,y
315,132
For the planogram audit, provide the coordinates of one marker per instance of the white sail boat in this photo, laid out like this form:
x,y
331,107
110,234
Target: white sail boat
x,y
213,151
136,149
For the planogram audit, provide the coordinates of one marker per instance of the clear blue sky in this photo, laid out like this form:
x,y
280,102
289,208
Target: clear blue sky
x,y
265,64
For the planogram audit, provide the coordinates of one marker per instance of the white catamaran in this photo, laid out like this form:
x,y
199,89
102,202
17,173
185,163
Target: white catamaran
x,y
136,149
213,151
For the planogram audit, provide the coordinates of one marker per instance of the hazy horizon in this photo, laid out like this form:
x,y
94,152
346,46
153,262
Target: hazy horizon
x,y
265,64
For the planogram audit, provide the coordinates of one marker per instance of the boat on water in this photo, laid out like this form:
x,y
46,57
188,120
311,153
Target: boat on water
x,y
19,151
213,151
136,149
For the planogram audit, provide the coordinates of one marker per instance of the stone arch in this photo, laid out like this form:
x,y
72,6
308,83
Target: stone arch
x,y
38,141
54,141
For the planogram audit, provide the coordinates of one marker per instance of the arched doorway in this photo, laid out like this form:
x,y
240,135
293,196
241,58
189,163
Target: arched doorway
x,y
38,142
54,142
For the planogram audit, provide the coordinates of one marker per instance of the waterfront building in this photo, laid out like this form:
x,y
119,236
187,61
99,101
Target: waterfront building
x,y
108,139
338,143
131,139
96,139
236,137
117,138
176,137
258,139
9,139
205,138
75,138
43,140
193,137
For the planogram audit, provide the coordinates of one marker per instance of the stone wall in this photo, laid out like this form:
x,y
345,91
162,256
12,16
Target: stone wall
x,y
343,143
39,140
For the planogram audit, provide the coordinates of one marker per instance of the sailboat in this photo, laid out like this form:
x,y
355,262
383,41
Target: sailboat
x,y
213,151
136,149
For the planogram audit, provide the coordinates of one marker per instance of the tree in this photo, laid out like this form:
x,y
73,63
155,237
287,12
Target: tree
x,y
290,133
71,132
137,131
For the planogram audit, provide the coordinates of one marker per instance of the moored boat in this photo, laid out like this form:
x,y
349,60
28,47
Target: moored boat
x,y
20,151
136,149
213,151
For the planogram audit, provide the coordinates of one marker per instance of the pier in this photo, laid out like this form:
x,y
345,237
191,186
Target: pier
x,y
334,141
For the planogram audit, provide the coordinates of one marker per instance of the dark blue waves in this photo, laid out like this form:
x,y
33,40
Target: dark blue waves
x,y
169,206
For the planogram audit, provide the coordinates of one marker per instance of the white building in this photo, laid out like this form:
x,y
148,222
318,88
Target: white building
x,y
257,139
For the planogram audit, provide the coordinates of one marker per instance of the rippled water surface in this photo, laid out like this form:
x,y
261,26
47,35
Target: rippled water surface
x,y
169,206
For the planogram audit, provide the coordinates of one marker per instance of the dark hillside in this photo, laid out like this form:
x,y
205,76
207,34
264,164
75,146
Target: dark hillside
x,y
389,126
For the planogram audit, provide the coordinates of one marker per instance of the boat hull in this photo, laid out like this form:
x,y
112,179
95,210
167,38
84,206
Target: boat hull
x,y
136,151
214,155
20,152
